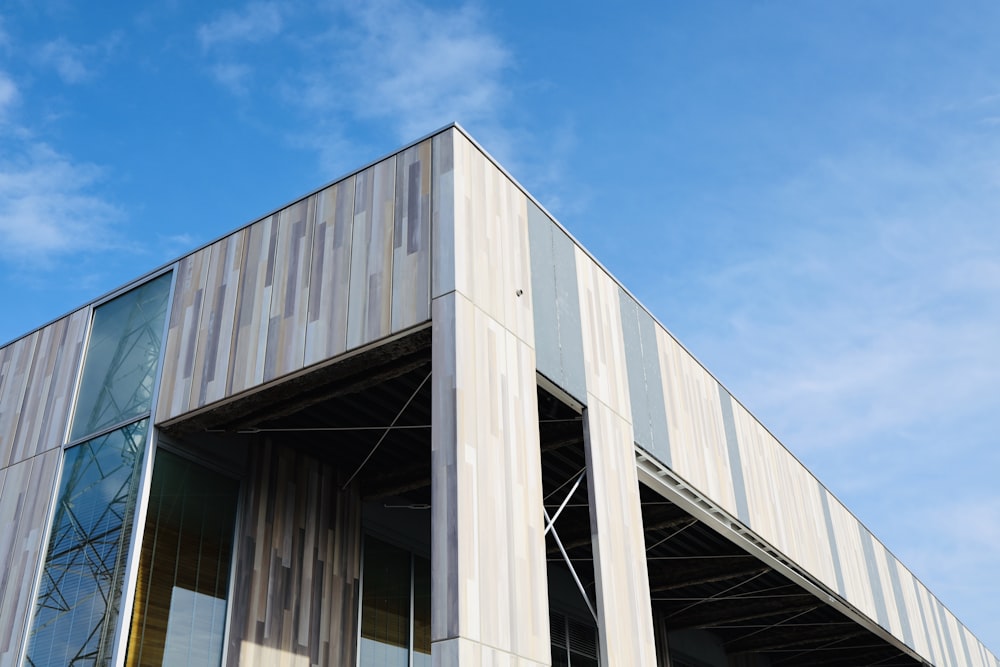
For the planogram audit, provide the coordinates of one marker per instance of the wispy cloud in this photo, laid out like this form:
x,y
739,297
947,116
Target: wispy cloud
x,y
396,64
67,59
257,22
77,63
48,204
875,311
234,77
48,207
8,95
423,66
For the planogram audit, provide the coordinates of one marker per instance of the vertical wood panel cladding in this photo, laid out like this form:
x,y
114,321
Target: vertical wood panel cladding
x,y
37,380
492,261
246,368
622,580
489,560
183,330
411,264
218,317
329,287
26,491
286,328
694,421
369,312
297,565
336,270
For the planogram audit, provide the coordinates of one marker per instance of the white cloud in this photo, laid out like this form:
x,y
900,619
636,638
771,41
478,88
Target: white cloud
x,y
421,67
8,95
396,64
67,59
257,22
234,77
47,206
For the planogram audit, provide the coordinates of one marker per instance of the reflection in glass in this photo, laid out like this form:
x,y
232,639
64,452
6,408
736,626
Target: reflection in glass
x,y
385,606
421,612
180,602
120,366
81,583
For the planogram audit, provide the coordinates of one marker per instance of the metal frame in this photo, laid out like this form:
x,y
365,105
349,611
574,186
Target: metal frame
x,y
668,484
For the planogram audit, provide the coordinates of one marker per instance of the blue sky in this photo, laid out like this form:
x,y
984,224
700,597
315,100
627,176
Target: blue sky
x,y
807,194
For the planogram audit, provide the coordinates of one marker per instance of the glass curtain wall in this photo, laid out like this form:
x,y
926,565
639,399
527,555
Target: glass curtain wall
x,y
80,592
179,614
395,607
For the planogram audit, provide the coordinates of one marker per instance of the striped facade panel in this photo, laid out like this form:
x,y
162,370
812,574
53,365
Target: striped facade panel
x,y
218,315
411,262
558,339
489,561
603,339
620,570
698,448
37,380
623,599
339,269
850,553
26,491
298,564
831,536
284,351
649,416
253,294
929,638
492,261
369,310
784,500
326,331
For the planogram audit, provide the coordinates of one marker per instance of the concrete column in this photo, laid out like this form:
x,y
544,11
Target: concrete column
x,y
489,599
625,619
490,603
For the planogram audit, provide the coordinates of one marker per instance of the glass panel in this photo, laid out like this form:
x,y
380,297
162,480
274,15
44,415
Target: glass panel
x,y
179,614
120,367
81,584
385,606
421,612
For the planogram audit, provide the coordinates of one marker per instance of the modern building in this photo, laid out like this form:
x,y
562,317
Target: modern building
x,y
408,420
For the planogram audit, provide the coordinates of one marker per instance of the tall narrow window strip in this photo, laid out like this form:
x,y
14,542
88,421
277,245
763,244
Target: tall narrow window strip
x,y
181,596
122,355
421,612
84,566
385,606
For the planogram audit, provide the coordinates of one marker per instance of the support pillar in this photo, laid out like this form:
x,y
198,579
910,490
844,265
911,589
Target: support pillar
x,y
624,611
489,596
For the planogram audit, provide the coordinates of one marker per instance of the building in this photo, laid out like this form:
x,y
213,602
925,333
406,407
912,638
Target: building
x,y
408,420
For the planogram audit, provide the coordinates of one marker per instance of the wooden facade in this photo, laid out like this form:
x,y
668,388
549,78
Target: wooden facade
x,y
440,233
298,563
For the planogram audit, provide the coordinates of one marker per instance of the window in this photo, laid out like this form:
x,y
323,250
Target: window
x,y
395,607
122,357
84,566
77,608
179,614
